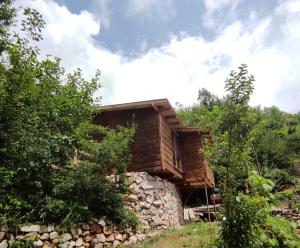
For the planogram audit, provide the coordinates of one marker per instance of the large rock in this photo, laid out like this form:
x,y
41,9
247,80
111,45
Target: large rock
x,y
107,230
72,243
95,228
79,242
64,245
30,228
50,228
4,244
141,236
131,198
156,220
87,239
65,237
47,245
149,198
133,239
79,231
45,236
116,243
31,236
38,244
2,235
86,233
53,235
100,237
119,237
146,186
110,238
43,229
85,227
102,223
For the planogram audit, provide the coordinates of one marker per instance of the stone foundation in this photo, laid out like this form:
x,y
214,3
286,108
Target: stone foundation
x,y
291,214
156,202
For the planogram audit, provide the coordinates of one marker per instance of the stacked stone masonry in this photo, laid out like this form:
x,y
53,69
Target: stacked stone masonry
x,y
156,202
291,214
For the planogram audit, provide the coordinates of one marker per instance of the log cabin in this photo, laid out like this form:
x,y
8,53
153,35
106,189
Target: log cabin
x,y
162,145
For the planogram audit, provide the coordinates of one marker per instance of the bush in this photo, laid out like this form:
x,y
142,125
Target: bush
x,y
243,227
251,223
280,177
51,170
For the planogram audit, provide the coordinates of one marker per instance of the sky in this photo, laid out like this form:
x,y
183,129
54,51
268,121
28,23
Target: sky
x,y
149,49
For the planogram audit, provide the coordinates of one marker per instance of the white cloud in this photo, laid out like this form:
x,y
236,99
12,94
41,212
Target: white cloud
x,y
179,68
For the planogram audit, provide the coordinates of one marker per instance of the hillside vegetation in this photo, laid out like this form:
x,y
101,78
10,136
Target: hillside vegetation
x,y
252,154
50,169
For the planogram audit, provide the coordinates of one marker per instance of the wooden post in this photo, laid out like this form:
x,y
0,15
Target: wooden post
x,y
215,204
207,203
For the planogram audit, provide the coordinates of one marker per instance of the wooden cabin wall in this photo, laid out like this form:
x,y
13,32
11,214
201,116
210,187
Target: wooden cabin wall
x,y
167,141
145,149
194,169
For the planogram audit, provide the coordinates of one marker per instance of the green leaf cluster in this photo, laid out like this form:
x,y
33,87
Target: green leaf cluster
x,y
52,169
245,138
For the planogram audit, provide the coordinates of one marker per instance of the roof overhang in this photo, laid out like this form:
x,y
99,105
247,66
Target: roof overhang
x,y
162,106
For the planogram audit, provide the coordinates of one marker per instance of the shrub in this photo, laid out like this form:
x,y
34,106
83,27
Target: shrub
x,y
51,170
251,223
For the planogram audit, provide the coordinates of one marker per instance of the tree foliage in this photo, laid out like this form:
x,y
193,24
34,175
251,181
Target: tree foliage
x,y
51,169
274,136
244,139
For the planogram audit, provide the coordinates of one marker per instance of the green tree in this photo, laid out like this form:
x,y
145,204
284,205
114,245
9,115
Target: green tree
x,y
247,220
50,167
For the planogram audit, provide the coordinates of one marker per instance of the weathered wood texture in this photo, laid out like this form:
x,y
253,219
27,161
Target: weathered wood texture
x,y
162,145
170,152
196,173
145,149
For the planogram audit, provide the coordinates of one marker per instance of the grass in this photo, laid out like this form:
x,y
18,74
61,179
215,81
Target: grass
x,y
196,235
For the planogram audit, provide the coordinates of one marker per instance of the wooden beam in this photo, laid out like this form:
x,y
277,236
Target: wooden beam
x,y
135,105
161,141
215,205
155,107
172,117
165,110
172,121
207,203
175,171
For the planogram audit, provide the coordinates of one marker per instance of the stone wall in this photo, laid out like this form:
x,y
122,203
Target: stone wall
x,y
156,202
291,214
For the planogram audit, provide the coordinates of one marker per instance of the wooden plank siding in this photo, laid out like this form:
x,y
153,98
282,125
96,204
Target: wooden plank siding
x,y
145,149
196,172
162,145
168,155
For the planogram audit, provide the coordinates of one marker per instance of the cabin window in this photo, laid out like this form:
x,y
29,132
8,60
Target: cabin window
x,y
176,152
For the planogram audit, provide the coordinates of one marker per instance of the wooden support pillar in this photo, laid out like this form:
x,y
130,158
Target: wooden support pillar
x,y
208,212
215,204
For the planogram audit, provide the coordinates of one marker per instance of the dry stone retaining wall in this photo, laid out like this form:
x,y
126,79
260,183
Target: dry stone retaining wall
x,y
291,214
156,202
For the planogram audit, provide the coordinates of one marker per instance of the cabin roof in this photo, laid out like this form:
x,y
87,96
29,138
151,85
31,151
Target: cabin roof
x,y
160,105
